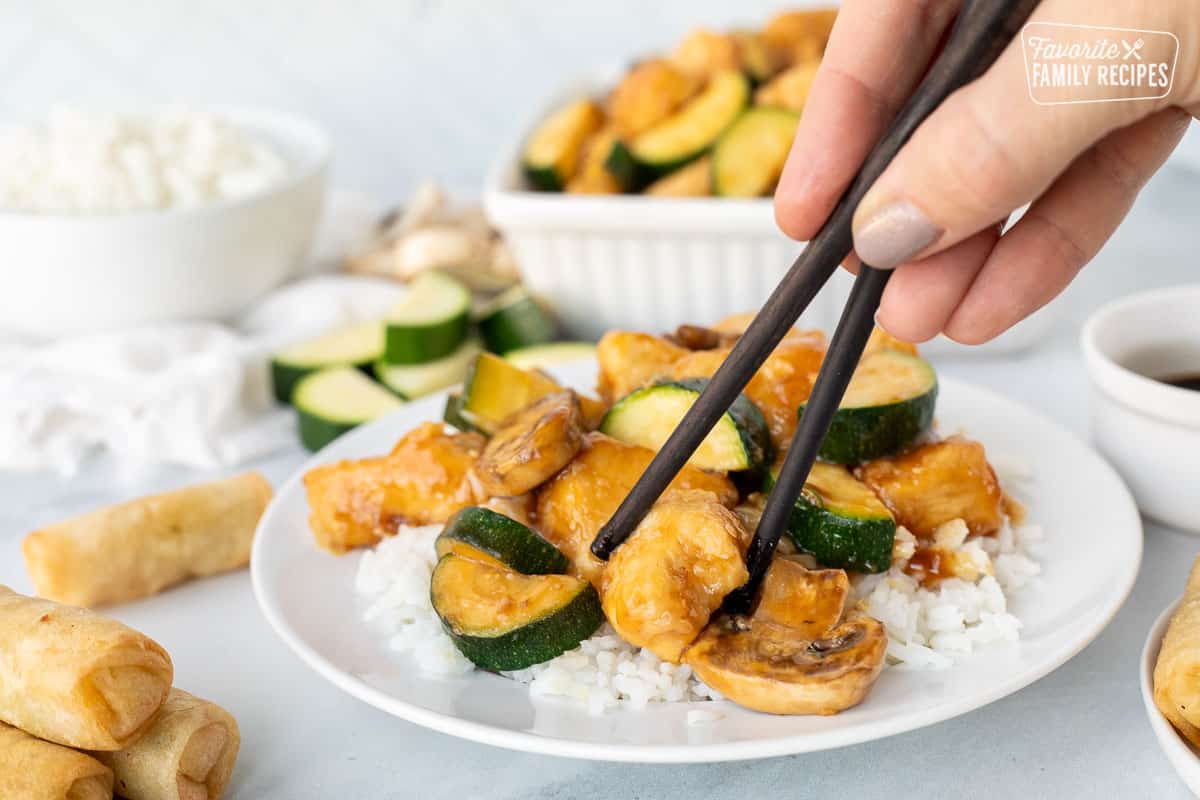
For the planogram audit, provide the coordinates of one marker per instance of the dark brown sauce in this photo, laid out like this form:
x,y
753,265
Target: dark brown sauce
x,y
1191,382
926,566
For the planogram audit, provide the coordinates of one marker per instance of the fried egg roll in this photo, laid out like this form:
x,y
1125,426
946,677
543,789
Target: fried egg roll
x,y
186,754
138,548
31,769
71,676
1177,672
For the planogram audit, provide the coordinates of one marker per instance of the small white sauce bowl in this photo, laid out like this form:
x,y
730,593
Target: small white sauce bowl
x,y
67,274
1149,430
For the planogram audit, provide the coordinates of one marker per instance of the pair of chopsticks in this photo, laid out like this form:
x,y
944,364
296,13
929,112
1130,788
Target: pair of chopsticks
x,y
980,33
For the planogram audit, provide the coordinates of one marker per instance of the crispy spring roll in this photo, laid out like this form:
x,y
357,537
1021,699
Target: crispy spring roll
x,y
186,754
31,769
1177,671
137,549
73,677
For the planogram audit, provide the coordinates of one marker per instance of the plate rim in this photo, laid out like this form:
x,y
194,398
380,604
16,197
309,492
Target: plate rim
x,y
748,749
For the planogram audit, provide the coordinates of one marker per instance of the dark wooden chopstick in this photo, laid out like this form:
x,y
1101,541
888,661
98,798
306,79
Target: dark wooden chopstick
x,y
982,30
846,348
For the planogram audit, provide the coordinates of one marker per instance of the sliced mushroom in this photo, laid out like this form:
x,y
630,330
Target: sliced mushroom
x,y
662,585
777,669
532,445
811,601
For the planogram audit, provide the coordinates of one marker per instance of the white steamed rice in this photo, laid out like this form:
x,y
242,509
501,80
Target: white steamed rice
x,y
927,629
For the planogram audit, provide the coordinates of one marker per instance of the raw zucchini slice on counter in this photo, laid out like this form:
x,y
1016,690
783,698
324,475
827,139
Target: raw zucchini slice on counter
x,y
502,539
540,356
888,404
552,153
840,521
503,620
411,381
646,417
357,345
496,388
749,157
431,322
515,320
685,135
334,400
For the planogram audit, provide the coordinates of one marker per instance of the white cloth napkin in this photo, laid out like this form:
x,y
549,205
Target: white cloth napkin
x,y
195,394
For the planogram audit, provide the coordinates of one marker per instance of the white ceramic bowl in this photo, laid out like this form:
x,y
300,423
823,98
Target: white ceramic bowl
x,y
68,274
1179,752
1149,430
652,263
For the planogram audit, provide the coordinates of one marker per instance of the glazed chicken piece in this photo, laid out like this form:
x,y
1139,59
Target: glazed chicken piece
x,y
630,360
531,446
648,94
778,669
422,481
810,601
938,482
519,508
782,383
662,585
799,35
573,506
704,53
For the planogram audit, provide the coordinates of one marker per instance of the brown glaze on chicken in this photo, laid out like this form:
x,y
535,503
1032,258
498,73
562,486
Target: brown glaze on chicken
x,y
575,503
422,481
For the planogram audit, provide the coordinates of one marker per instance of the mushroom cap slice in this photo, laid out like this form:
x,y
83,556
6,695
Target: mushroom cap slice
x,y
810,601
769,667
532,446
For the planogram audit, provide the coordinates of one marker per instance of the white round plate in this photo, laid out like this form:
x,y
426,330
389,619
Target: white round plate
x,y
1183,757
308,597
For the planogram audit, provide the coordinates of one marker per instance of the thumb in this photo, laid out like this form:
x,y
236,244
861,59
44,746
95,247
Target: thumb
x,y
987,150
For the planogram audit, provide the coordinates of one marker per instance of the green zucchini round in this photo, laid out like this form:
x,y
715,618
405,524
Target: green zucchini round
x,y
569,613
889,403
839,521
331,401
508,541
431,322
515,320
740,441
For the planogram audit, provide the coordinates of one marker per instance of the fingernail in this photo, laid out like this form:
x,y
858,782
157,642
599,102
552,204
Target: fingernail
x,y
894,234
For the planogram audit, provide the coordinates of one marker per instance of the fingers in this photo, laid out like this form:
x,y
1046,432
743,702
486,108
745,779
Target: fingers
x,y
987,150
922,295
875,57
1062,230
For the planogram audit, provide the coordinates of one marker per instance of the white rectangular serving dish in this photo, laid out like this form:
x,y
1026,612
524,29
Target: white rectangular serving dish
x,y
653,263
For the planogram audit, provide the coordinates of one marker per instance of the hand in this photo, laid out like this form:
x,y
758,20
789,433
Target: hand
x,y
936,213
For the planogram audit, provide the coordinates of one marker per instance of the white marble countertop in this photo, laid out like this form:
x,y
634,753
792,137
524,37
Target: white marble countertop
x,y
1078,732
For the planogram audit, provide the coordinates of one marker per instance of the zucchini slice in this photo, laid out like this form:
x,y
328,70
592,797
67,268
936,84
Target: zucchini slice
x,y
888,404
504,540
740,441
495,389
840,521
515,320
540,356
334,400
503,620
411,381
431,322
552,153
357,345
749,157
684,136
